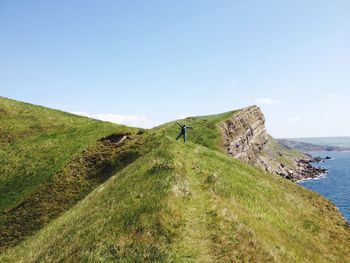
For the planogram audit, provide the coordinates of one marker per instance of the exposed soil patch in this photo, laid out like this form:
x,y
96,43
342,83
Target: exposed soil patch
x,y
116,137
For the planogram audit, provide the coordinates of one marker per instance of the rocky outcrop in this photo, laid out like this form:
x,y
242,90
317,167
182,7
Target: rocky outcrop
x,y
245,137
244,134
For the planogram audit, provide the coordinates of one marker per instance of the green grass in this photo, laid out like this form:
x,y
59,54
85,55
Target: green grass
x,y
36,142
188,203
176,202
64,189
205,131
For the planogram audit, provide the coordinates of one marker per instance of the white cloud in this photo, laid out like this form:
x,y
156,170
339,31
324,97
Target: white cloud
x,y
136,120
293,119
330,96
185,115
264,101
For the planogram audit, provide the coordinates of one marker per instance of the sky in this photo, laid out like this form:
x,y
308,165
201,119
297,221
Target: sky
x,y
143,63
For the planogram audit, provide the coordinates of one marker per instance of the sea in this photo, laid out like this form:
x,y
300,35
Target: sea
x,y
335,184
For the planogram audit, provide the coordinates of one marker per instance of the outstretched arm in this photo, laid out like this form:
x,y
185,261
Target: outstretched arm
x,y
190,127
179,124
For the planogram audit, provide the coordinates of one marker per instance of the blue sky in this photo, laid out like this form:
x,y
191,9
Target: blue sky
x,y
147,62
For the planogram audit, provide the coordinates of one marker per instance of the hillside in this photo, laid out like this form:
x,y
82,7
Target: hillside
x,y
49,160
36,142
162,200
342,142
242,134
309,147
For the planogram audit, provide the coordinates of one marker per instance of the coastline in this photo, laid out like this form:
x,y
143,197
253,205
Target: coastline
x,y
304,168
308,170
322,175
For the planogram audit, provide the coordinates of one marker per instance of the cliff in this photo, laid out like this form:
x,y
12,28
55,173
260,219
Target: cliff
x,y
245,137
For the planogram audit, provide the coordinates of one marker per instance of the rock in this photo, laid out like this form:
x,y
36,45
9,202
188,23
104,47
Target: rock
x,y
244,134
245,137
317,159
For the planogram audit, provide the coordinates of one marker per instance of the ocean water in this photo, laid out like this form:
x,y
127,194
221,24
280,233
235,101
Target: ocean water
x,y
335,185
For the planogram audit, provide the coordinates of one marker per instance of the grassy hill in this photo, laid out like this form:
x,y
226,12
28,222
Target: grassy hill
x,y
175,202
204,132
325,141
49,160
36,142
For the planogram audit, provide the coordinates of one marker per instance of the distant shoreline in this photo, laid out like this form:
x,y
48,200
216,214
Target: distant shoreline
x,y
310,147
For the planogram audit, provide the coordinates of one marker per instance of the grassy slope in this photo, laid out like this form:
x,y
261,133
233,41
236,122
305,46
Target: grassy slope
x,y
204,130
36,142
88,169
188,202
274,153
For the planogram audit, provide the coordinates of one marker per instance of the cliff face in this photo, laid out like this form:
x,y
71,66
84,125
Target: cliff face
x,y
245,137
244,134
